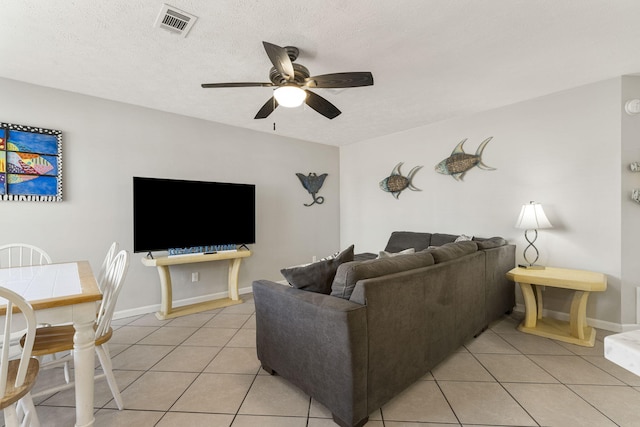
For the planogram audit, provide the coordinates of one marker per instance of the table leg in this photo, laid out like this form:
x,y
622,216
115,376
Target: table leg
x,y
234,268
578,315
530,310
84,359
539,304
166,304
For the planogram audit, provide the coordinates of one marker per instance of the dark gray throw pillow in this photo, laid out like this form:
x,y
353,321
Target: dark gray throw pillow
x,y
317,276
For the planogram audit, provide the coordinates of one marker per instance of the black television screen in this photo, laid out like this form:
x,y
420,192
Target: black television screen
x,y
171,213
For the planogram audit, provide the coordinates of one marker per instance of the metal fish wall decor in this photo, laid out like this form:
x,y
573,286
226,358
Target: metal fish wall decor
x,y
459,162
396,182
312,183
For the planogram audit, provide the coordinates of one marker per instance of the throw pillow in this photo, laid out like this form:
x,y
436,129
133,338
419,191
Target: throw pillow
x,y
463,238
317,276
386,254
332,256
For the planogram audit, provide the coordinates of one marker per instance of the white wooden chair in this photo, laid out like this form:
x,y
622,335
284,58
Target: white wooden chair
x,y
18,375
113,249
22,255
56,339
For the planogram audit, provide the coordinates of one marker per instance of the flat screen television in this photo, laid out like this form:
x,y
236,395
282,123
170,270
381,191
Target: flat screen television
x,y
176,214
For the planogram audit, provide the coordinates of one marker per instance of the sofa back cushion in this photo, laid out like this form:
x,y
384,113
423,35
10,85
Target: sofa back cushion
x,y
439,239
350,273
401,240
317,276
490,243
453,250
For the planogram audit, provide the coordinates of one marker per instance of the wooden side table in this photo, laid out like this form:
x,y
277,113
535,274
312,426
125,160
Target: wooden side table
x,y
167,310
582,282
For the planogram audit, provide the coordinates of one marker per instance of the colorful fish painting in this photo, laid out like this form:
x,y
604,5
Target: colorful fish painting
x,y
396,182
459,162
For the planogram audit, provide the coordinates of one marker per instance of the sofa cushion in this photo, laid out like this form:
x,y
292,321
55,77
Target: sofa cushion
x,y
453,250
492,242
364,256
439,239
385,254
350,273
317,276
401,240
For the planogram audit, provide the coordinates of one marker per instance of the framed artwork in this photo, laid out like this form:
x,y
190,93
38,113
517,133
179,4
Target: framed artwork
x,y
30,163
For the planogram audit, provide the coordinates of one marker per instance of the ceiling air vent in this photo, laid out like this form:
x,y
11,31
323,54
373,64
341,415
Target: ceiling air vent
x,y
175,20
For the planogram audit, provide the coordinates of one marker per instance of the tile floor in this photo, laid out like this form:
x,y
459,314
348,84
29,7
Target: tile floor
x,y
201,370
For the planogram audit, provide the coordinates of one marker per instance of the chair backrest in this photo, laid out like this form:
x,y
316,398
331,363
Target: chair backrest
x,y
12,299
22,255
113,280
113,249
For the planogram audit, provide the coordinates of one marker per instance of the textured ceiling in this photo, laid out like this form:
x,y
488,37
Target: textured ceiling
x,y
431,59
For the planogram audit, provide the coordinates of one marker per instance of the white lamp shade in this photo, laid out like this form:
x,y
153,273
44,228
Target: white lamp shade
x,y
290,96
532,217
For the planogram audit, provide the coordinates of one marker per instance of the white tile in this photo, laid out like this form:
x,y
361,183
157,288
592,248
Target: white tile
x,y
215,393
484,403
461,367
272,395
574,370
422,401
556,405
621,404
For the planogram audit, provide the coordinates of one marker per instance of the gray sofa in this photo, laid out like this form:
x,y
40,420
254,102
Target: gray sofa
x,y
385,322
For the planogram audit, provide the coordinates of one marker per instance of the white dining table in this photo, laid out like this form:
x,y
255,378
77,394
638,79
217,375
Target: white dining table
x,y
63,293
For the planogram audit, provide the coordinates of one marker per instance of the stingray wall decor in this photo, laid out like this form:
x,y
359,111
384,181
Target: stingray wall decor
x,y
312,183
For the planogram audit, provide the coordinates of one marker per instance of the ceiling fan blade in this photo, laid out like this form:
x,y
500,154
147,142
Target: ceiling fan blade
x,y
245,84
280,59
321,105
340,80
267,108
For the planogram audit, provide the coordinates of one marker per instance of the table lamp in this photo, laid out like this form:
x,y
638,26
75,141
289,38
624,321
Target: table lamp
x,y
532,218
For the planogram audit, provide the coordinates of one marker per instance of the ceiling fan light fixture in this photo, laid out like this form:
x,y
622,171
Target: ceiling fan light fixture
x,y
290,96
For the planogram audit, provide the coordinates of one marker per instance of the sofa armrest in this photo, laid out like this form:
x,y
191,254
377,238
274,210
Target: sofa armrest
x,y
317,342
500,291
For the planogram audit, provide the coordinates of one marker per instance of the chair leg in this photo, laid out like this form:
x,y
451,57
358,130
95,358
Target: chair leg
x,y
105,362
11,416
23,409
30,414
67,376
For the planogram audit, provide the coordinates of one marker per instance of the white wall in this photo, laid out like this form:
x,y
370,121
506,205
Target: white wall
x,y
562,150
630,305
106,143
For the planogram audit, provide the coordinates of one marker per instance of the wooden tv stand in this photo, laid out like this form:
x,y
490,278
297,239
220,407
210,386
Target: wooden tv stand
x,y
167,311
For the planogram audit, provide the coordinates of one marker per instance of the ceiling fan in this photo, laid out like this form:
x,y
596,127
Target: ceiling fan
x,y
293,82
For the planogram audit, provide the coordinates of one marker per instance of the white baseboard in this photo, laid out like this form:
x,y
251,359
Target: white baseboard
x,y
596,323
156,307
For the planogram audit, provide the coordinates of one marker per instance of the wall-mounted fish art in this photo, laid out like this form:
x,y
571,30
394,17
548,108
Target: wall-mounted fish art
x,y
312,183
396,182
459,162
635,194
